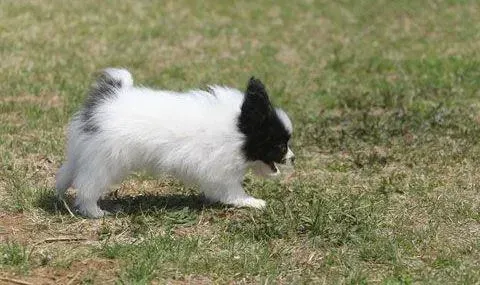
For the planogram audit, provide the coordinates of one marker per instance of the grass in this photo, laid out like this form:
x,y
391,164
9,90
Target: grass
x,y
13,255
384,100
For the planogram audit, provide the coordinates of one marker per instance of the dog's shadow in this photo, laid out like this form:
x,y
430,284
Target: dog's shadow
x,y
131,205
151,203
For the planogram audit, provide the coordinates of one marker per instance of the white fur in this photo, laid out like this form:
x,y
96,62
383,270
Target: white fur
x,y
285,120
192,136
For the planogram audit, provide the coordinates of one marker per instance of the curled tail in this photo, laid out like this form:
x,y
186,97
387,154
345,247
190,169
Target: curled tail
x,y
107,84
64,178
106,87
116,77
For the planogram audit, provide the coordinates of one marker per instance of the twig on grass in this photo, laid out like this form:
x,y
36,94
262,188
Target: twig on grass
x,y
68,208
50,240
74,278
15,281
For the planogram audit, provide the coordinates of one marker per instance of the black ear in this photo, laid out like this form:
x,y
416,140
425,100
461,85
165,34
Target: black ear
x,y
257,98
255,87
256,108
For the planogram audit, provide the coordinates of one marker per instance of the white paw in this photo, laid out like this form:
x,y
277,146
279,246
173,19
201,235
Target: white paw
x,y
92,212
250,202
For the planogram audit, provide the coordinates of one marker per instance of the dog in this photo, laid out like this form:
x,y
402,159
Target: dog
x,y
210,138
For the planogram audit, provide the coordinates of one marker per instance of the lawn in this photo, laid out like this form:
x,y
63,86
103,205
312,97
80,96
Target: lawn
x,y
385,101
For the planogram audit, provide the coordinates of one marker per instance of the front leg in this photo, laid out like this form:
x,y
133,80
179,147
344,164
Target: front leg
x,y
231,194
248,201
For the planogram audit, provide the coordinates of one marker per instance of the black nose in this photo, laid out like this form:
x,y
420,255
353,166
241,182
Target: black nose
x,y
292,159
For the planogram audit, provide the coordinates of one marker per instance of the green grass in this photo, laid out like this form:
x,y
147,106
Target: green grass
x,y
384,97
13,256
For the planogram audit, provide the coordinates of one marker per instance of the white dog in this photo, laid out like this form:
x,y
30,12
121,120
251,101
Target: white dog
x,y
210,138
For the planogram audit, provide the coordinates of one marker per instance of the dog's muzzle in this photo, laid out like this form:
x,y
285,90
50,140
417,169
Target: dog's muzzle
x,y
289,158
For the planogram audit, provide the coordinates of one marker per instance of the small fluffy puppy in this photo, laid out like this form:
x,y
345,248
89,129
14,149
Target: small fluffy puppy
x,y
209,138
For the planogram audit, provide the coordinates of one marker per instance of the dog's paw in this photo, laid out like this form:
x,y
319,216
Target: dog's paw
x,y
92,213
250,202
256,203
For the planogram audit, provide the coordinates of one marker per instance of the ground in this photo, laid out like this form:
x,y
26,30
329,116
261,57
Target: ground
x,y
384,98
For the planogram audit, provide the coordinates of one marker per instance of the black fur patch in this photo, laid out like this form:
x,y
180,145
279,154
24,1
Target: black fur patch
x,y
209,90
105,88
266,136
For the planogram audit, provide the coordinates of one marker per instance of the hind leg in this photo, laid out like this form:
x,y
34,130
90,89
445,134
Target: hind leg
x,y
64,178
87,206
89,191
91,186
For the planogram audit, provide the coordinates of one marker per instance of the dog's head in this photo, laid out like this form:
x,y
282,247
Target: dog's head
x,y
267,129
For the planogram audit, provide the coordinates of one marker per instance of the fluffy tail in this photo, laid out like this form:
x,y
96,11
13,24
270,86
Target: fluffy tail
x,y
64,179
117,77
105,88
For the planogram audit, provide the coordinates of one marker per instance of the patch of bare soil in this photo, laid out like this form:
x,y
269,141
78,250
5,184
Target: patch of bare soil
x,y
13,227
102,271
56,250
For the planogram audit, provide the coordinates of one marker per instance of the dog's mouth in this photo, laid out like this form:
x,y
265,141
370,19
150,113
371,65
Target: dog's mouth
x,y
273,167
284,162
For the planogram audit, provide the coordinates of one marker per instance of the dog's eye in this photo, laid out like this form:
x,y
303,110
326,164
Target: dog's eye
x,y
282,147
